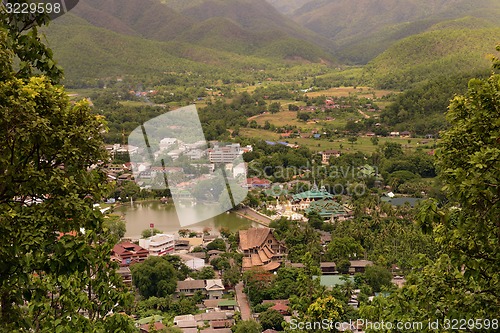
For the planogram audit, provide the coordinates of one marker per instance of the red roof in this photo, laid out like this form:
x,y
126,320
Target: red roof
x,y
258,181
280,307
158,326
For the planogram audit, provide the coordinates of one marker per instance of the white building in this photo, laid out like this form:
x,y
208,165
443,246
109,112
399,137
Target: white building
x,y
158,244
226,154
166,143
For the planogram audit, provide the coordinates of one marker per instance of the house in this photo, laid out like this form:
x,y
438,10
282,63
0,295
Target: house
x,y
405,134
260,248
186,322
325,155
214,288
216,330
195,263
256,182
126,275
159,244
281,308
394,134
329,210
166,143
359,266
227,305
181,245
190,287
328,268
156,327
127,253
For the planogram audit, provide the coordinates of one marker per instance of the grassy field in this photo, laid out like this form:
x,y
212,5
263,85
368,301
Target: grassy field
x,y
347,91
363,144
286,117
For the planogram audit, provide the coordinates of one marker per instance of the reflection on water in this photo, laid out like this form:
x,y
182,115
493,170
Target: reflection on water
x,y
141,214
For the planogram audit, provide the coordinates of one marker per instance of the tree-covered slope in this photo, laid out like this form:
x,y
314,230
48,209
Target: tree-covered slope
x,y
363,29
87,52
147,18
430,68
442,52
239,26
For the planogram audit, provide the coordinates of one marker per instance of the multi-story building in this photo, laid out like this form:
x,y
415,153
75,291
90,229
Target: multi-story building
x,y
325,155
226,154
127,253
159,244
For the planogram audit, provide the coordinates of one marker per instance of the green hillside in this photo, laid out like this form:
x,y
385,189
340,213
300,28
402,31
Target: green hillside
x,y
87,52
363,29
430,68
256,16
147,18
444,52
238,26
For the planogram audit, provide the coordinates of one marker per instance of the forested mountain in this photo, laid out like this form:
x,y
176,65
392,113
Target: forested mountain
x,y
239,26
363,29
119,37
430,68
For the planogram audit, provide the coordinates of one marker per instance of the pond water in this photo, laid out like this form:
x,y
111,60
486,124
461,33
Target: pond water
x,y
140,215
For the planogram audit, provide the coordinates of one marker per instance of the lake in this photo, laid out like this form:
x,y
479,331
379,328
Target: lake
x,y
139,215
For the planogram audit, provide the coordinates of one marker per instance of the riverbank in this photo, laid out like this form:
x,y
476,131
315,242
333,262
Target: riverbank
x,y
253,215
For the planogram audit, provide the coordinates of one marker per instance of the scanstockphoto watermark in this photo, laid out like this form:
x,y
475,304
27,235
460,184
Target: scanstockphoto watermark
x,y
388,326
330,325
312,170
350,189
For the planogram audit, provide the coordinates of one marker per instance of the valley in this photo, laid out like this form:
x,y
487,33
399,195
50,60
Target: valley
x,y
340,163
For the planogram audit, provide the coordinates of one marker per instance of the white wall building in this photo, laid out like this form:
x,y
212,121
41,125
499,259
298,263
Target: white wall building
x,y
158,244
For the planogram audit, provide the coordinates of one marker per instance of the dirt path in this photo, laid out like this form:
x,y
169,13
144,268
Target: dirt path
x,y
364,114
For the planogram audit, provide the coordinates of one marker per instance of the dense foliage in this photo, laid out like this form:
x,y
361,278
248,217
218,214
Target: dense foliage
x,y
55,270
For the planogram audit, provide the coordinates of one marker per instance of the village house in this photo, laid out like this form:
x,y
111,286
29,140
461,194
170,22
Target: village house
x,y
261,249
212,288
325,155
256,182
126,275
359,266
190,287
157,327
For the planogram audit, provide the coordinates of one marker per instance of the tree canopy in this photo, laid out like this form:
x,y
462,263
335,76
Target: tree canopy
x,y
463,282
55,270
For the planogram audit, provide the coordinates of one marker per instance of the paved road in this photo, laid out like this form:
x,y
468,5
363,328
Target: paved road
x,y
242,300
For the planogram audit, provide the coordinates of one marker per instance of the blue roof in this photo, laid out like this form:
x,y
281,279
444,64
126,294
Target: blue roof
x,y
272,143
283,143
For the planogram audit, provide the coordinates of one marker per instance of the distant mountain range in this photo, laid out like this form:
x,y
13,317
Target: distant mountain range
x,y
362,29
100,38
170,33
